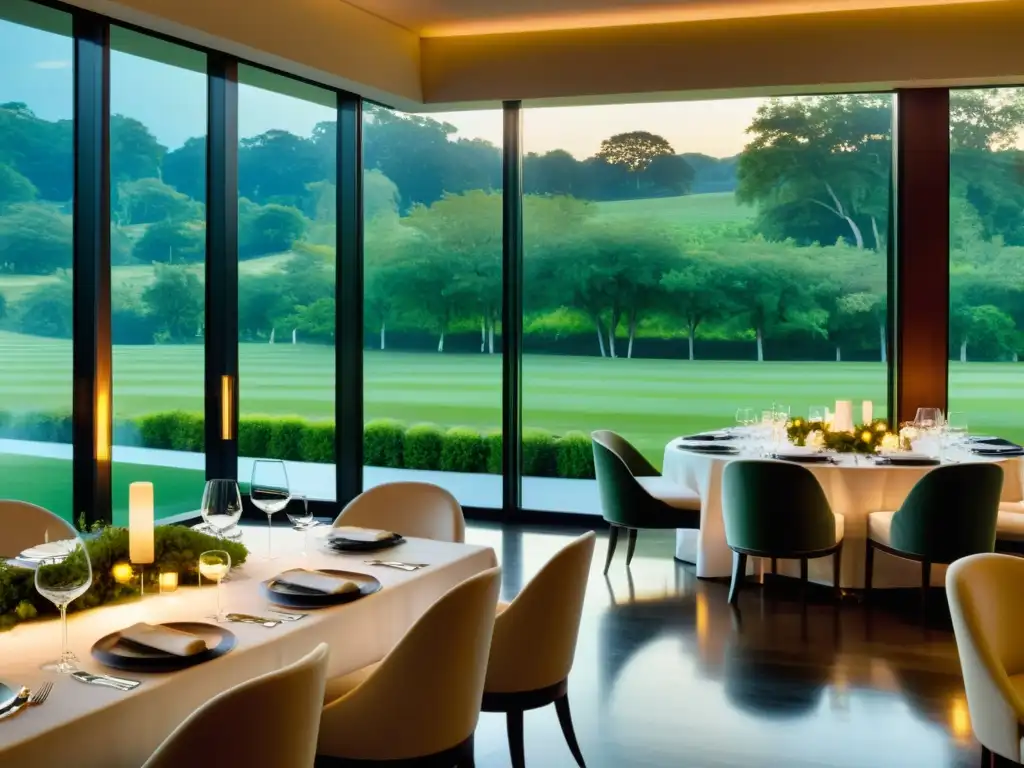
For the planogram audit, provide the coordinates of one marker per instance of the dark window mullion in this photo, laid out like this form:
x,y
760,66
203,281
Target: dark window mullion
x,y
512,308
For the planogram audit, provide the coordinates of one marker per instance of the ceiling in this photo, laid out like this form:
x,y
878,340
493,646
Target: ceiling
x,y
444,18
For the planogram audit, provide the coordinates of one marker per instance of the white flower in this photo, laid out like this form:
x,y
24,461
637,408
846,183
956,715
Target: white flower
x,y
890,442
815,440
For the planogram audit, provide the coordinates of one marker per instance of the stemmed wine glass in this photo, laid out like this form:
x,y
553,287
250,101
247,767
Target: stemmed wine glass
x,y
269,492
62,578
302,520
817,413
221,506
928,418
214,565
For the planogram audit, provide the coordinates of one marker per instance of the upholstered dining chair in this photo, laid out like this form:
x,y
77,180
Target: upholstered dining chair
x,y
778,510
222,733
950,513
419,705
23,525
410,508
635,495
984,591
534,644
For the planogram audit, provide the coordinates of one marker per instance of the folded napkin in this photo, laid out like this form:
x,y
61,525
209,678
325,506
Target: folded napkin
x,y
352,533
165,639
317,581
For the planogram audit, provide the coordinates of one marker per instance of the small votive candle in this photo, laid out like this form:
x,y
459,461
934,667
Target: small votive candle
x,y
168,582
122,573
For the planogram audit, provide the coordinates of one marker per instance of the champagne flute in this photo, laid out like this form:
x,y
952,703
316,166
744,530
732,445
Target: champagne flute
x,y
214,565
302,520
221,506
62,578
269,492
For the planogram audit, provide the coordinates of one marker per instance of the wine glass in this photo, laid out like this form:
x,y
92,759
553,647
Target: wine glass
x,y
817,413
214,565
62,578
955,429
302,519
269,492
928,418
221,506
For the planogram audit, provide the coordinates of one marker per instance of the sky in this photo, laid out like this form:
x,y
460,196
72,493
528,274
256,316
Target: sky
x,y
36,68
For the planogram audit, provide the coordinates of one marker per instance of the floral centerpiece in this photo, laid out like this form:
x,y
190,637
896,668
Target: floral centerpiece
x,y
865,438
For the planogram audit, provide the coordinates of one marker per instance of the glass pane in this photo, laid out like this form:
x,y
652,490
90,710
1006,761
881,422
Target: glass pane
x,y
986,280
683,260
36,191
286,272
432,366
158,257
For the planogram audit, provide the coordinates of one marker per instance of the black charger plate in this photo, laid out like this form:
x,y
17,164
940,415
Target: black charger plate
x,y
995,453
709,437
113,651
725,450
297,597
805,458
351,545
904,461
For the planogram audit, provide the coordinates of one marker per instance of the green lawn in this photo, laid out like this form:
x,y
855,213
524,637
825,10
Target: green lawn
x,y
708,208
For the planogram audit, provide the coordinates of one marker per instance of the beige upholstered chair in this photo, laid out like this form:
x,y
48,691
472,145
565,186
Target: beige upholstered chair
x,y
534,645
270,721
23,525
412,509
419,705
984,601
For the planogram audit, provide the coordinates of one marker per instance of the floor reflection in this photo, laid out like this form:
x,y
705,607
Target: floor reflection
x,y
668,675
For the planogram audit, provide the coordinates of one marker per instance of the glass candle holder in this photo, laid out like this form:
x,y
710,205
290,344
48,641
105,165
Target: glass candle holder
x,y
168,582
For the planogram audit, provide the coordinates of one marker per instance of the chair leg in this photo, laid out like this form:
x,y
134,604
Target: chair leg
x,y
926,581
837,571
803,579
515,738
565,720
739,573
631,546
986,757
613,539
775,566
869,570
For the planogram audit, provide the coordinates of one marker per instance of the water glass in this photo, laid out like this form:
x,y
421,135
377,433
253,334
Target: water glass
x,y
222,505
302,519
745,417
817,413
928,418
62,578
269,492
214,565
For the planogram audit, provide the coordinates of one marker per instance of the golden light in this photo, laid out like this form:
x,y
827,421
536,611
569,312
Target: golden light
x,y
168,582
890,442
122,573
797,422
881,426
103,424
960,719
867,436
227,395
140,523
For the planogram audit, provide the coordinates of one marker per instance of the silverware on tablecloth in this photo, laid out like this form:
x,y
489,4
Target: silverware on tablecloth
x,y
15,704
281,615
245,618
396,564
40,696
108,681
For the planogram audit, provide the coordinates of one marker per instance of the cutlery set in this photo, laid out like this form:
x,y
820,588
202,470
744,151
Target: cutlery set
x,y
266,621
25,698
107,681
396,564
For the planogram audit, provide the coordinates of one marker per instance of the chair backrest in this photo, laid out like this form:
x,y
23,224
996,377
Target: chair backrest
x,y
425,695
617,464
422,510
775,506
535,636
616,444
950,513
984,602
23,525
270,721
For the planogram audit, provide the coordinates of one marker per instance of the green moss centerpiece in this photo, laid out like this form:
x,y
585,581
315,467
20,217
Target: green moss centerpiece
x,y
177,549
865,438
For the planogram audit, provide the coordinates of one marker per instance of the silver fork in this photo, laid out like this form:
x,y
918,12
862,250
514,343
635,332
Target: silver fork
x,y
40,696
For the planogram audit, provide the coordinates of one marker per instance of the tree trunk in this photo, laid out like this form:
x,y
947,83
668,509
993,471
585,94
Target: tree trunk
x,y
272,332
440,342
963,350
295,336
882,340
839,354
878,235
483,333
1015,357
490,338
760,346
612,328
600,334
632,333
383,335
691,330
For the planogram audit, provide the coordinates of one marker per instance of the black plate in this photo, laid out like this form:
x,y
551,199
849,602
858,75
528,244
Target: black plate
x,y
709,437
903,461
349,545
808,458
708,448
297,597
1008,451
124,654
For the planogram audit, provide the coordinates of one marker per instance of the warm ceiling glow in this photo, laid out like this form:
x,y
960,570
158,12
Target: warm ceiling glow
x,y
698,10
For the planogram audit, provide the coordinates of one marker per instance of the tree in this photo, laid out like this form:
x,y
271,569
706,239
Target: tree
x,y
35,240
145,201
635,150
697,292
670,175
172,242
46,311
315,322
380,195
277,165
176,300
40,150
268,229
185,168
134,151
3,307
14,188
986,325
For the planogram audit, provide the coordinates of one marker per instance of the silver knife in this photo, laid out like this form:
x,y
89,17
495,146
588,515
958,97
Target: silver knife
x,y
109,681
395,564
18,703
245,618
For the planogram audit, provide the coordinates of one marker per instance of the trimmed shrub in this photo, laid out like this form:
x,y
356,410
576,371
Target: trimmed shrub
x,y
286,439
44,427
574,456
463,450
539,453
318,442
155,429
126,432
382,443
493,442
422,446
6,423
254,436
187,432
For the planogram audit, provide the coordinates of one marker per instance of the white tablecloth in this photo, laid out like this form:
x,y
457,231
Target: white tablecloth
x,y
855,487
84,725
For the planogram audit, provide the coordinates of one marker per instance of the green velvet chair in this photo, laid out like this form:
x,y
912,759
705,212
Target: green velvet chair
x,y
778,510
634,494
950,513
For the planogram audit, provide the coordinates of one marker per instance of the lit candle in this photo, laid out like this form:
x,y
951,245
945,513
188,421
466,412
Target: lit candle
x,y
140,523
867,412
842,419
168,582
122,573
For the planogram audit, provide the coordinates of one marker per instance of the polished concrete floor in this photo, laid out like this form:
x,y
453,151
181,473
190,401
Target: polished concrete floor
x,y
667,674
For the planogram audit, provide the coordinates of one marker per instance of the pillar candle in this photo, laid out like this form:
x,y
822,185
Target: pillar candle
x,y
867,412
140,523
842,419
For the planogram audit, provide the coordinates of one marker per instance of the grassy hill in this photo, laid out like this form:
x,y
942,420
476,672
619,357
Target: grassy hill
x,y
712,208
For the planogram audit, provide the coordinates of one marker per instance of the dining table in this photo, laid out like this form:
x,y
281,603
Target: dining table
x,y
855,486
90,726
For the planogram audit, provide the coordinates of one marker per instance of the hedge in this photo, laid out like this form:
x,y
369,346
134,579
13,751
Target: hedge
x,y
386,442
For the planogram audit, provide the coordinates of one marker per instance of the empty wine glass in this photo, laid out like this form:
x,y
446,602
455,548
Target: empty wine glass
x,y
928,418
302,519
61,578
214,565
221,506
745,417
817,413
269,492
955,429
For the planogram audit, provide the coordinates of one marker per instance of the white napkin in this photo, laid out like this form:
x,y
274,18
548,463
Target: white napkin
x,y
352,533
166,639
318,581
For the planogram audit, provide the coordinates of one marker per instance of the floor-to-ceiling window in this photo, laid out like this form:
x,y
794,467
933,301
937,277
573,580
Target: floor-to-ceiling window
x,y
684,260
287,226
433,232
986,260
158,252
36,191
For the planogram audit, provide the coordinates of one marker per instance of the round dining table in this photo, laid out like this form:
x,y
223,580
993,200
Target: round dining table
x,y
855,487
